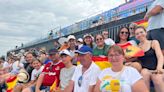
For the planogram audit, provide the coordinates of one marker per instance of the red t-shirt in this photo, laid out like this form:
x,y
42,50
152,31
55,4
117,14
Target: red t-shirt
x,y
52,73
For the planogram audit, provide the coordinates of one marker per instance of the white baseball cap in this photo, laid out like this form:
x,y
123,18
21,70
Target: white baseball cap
x,y
88,35
80,40
62,40
65,52
71,37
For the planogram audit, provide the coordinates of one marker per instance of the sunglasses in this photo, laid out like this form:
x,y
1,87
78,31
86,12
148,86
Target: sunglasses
x,y
124,32
80,80
105,34
132,28
100,39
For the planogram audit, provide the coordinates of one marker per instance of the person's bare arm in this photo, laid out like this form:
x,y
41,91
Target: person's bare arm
x,y
70,87
156,10
29,84
159,54
91,88
139,86
97,87
39,82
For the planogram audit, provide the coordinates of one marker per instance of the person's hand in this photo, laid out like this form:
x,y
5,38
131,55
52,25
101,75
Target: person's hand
x,y
158,71
128,63
146,17
38,90
56,90
128,57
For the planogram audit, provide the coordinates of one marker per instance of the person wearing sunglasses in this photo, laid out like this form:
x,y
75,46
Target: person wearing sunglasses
x,y
123,41
119,78
85,75
152,61
107,40
123,37
101,47
132,27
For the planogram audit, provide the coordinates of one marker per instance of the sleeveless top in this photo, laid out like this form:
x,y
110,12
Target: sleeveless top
x,y
149,60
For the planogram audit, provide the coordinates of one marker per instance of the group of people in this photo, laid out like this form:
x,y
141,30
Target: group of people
x,y
59,66
58,71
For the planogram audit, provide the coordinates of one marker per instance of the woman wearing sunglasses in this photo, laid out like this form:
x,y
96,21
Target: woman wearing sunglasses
x,y
101,47
119,78
123,37
132,27
152,61
123,41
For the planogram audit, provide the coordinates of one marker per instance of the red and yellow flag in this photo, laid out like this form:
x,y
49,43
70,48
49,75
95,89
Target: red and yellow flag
x,y
133,51
11,82
102,62
143,23
54,87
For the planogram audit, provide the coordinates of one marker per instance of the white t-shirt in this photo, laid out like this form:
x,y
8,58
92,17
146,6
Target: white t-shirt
x,y
66,75
16,67
36,73
127,78
22,60
109,42
133,42
156,21
6,64
89,77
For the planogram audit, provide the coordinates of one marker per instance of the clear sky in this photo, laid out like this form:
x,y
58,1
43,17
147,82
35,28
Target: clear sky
x,y
22,21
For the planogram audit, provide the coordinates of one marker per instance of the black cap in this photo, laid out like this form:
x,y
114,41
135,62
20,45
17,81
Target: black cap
x,y
52,51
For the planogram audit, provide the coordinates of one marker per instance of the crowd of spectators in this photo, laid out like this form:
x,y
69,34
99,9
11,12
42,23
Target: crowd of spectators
x,y
70,67
58,70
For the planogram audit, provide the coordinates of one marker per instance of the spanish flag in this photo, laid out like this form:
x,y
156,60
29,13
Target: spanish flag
x,y
143,23
54,86
102,62
11,82
131,51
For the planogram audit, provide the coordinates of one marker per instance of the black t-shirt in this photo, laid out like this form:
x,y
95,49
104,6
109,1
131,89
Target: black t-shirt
x,y
29,69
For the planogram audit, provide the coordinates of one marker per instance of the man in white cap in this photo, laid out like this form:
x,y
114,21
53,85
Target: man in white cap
x,y
72,43
72,46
